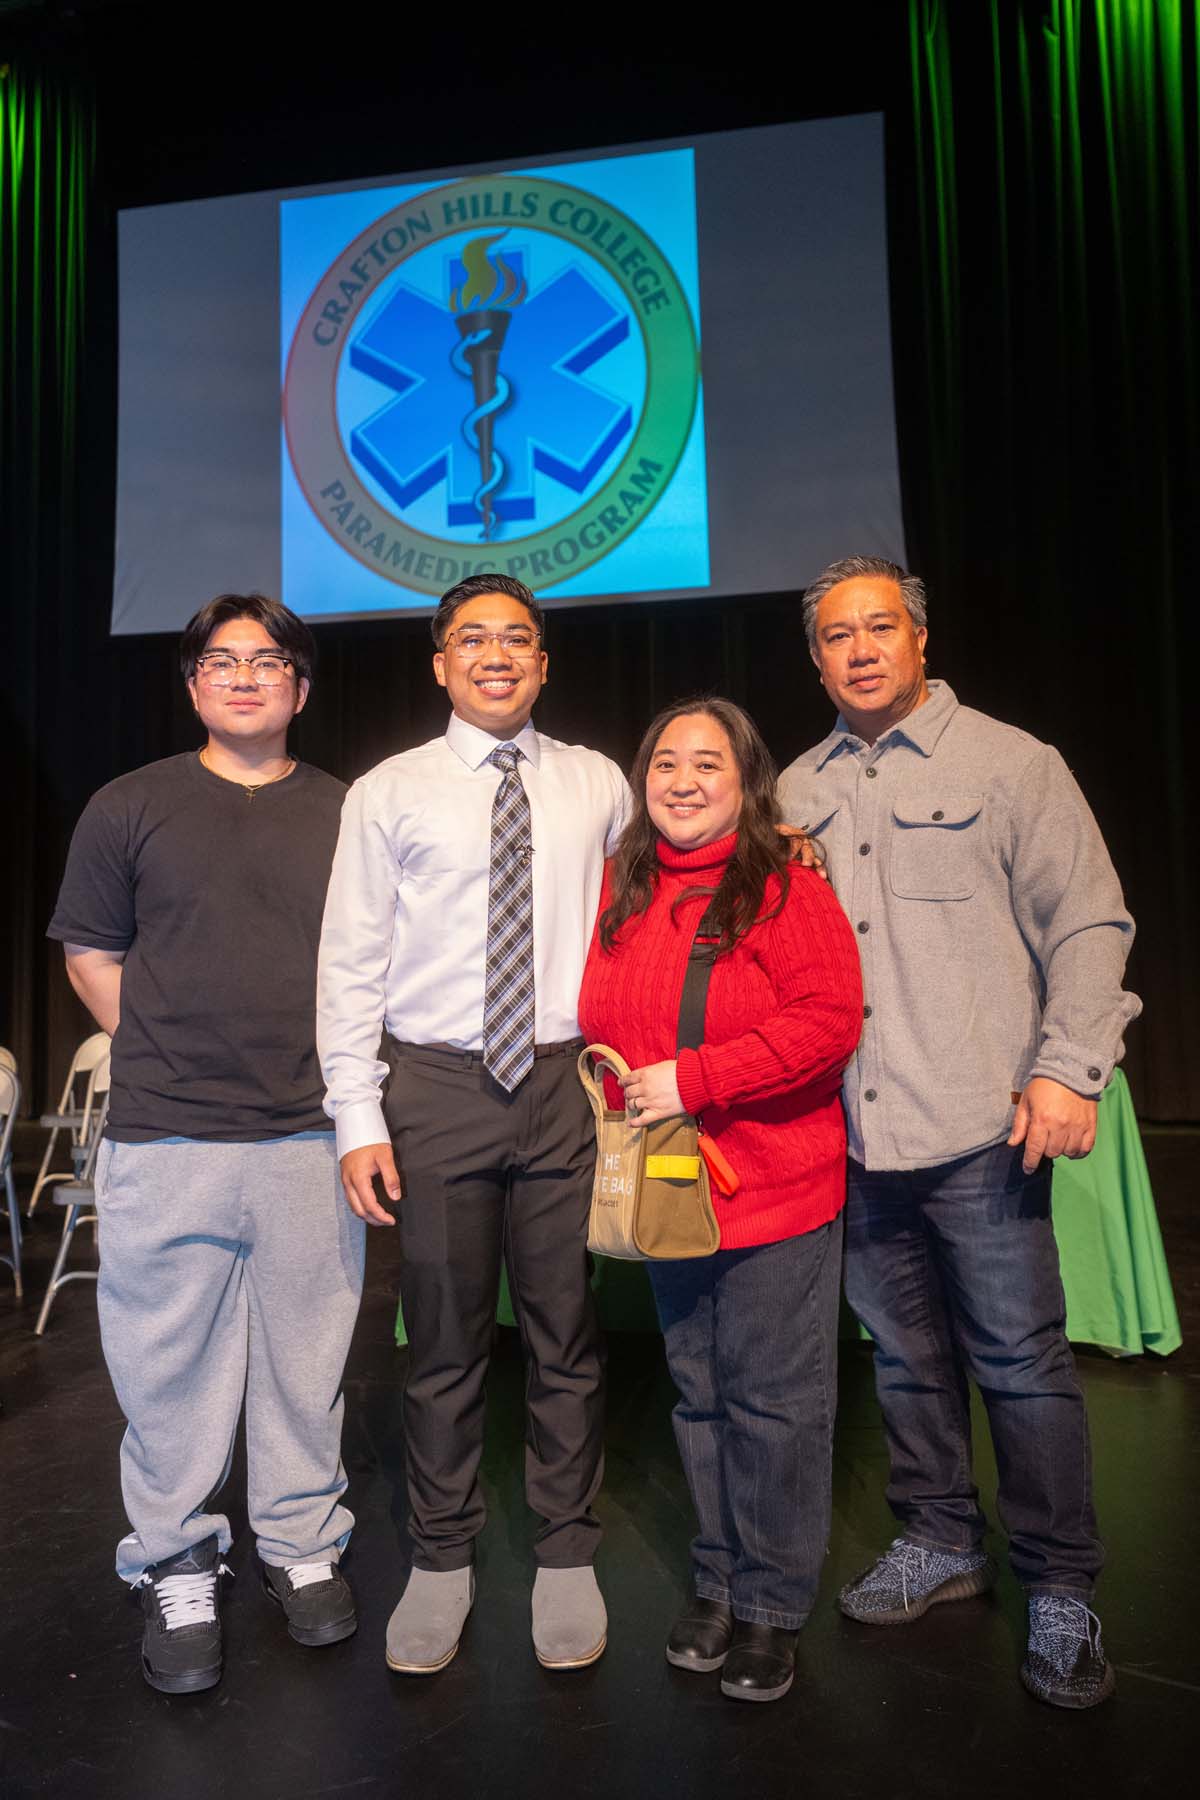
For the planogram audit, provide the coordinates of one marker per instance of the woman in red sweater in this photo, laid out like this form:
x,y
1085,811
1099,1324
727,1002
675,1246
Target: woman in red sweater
x,y
751,1332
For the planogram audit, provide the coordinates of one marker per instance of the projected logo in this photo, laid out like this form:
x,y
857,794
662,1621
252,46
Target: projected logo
x,y
499,373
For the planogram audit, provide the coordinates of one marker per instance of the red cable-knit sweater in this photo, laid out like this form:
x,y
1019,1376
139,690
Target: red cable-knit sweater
x,y
784,1014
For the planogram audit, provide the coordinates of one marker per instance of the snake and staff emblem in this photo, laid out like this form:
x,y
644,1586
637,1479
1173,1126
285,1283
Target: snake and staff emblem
x,y
482,305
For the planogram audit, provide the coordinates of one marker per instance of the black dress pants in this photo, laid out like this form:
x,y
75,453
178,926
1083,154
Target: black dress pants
x,y
488,1174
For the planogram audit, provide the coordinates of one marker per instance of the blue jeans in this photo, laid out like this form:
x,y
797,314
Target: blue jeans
x,y
751,1339
954,1272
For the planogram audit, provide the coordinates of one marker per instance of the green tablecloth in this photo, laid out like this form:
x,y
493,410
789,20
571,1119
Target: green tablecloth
x,y
1114,1271
1113,1268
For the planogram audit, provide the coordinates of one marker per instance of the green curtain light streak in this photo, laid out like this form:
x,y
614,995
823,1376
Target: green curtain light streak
x,y
47,155
1090,105
47,163
937,224
1056,157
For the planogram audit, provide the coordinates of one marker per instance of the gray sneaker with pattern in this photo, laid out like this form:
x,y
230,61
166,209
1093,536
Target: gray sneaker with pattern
x,y
1065,1663
910,1578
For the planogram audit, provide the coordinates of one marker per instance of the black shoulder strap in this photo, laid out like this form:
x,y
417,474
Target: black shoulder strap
x,y
694,1001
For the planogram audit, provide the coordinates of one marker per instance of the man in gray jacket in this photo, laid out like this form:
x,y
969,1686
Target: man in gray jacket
x,y
993,937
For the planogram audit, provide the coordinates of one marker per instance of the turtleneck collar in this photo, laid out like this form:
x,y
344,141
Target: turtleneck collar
x,y
694,862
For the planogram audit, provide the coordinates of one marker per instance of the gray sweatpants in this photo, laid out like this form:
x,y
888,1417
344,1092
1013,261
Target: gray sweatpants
x,y
228,1270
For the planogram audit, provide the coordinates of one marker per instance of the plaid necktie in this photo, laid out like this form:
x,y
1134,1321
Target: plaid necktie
x,y
508,982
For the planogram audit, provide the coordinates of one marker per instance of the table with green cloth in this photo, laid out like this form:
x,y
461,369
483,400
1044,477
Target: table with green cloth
x,y
1114,1271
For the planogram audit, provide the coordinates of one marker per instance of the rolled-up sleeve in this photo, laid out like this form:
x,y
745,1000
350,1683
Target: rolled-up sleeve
x,y
352,971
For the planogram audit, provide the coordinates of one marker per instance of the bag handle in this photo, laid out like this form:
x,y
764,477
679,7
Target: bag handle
x,y
603,1056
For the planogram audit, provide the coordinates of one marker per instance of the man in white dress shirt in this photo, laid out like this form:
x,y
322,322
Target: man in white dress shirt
x,y
460,909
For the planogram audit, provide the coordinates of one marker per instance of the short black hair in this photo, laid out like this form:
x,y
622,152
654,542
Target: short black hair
x,y
278,621
470,589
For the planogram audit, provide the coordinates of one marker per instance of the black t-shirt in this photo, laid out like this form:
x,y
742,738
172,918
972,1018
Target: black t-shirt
x,y
217,900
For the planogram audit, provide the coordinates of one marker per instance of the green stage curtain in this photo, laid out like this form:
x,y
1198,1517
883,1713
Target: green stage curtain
x,y
47,168
1053,213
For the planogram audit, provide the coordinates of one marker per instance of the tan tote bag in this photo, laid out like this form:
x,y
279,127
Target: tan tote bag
x,y
651,1198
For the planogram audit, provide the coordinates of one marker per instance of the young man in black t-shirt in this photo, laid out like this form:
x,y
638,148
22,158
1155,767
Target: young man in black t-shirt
x,y
190,914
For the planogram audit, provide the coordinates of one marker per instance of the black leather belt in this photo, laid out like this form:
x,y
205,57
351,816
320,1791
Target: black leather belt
x,y
468,1059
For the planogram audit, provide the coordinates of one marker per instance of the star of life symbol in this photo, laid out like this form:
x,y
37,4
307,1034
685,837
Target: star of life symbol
x,y
500,373
557,422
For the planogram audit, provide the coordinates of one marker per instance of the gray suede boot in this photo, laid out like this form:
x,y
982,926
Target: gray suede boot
x,y
424,1630
570,1624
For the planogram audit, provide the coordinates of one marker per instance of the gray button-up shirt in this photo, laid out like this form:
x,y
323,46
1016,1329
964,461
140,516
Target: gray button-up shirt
x,y
989,918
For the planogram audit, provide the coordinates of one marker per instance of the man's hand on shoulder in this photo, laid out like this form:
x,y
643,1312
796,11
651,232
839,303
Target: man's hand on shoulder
x,y
359,1169
804,849
1052,1120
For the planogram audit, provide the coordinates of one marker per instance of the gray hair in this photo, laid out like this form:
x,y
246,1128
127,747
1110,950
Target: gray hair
x,y
912,588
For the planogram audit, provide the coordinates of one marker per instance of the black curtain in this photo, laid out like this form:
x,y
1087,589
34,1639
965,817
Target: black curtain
x,y
1042,191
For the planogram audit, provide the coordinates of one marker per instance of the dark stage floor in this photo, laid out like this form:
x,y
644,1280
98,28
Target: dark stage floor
x,y
928,1710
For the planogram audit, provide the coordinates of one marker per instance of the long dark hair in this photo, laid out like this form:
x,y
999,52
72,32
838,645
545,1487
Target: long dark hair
x,y
760,853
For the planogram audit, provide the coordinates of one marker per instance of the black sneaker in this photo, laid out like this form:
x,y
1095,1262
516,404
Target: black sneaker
x,y
316,1601
1065,1663
181,1642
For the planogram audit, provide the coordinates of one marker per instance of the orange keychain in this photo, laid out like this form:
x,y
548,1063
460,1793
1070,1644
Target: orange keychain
x,y
723,1176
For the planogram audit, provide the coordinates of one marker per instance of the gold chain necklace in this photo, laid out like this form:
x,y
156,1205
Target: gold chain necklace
x,y
249,788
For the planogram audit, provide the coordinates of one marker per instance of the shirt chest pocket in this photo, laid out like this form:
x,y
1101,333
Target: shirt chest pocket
x,y
936,844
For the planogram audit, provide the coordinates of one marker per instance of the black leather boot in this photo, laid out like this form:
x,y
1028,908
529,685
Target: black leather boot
x,y
700,1635
761,1662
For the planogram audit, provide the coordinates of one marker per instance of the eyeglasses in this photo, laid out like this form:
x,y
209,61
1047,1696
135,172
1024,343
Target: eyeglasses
x,y
471,642
219,668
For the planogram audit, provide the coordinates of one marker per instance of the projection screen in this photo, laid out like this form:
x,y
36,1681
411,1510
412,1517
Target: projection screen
x,y
655,371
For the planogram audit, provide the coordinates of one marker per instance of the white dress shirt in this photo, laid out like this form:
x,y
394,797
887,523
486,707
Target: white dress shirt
x,y
404,940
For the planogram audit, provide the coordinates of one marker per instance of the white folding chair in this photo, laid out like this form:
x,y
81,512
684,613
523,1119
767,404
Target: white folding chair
x,y
78,1194
74,1106
7,1059
10,1102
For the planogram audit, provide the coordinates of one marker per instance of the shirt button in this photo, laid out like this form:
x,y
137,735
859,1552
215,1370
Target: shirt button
x,y
864,849
870,1094
863,925
939,814
866,1012
871,773
1093,1074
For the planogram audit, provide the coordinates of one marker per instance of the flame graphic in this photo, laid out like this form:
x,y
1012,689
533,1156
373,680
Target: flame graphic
x,y
490,282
